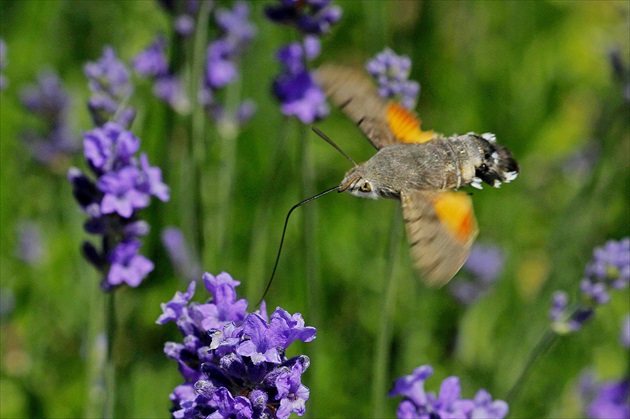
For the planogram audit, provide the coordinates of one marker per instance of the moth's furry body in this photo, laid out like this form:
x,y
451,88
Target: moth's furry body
x,y
440,164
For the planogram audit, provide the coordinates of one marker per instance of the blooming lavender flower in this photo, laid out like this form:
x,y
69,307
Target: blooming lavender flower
x,y
314,17
391,72
110,83
295,87
604,400
185,264
222,56
185,12
124,185
480,272
3,64
417,403
610,268
233,362
49,102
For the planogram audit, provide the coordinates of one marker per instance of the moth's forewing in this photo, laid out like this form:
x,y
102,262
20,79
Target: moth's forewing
x,y
441,228
355,94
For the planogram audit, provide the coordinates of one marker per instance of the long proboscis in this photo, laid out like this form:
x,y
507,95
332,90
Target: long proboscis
x,y
284,230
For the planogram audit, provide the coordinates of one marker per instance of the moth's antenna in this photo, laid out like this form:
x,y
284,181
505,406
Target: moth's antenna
x,y
332,143
284,230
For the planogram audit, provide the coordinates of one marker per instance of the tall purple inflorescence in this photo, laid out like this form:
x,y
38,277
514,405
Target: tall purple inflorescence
x,y
391,72
110,83
609,269
222,56
418,403
233,362
49,102
295,87
124,182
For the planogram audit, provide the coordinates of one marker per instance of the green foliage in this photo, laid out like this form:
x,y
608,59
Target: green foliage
x,y
535,73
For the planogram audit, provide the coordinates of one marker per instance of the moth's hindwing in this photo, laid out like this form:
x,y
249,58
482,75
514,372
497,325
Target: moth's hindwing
x,y
441,228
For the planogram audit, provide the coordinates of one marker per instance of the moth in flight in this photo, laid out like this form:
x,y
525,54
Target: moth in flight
x,y
421,169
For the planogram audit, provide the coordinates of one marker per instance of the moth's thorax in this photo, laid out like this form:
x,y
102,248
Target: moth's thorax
x,y
439,164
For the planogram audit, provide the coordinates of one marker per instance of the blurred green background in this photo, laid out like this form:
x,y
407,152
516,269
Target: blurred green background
x,y
536,73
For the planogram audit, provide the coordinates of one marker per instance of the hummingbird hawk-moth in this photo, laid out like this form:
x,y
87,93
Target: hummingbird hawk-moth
x,y
421,169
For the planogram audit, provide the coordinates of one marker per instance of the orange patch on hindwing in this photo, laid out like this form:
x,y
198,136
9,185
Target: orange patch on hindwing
x,y
455,211
405,126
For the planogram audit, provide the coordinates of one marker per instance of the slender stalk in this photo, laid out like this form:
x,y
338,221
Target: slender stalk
x,y
97,338
198,126
110,364
540,349
380,380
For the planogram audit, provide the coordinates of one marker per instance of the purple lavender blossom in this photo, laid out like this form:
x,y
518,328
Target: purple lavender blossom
x,y
295,87
314,17
391,72
110,83
417,403
124,185
222,59
184,25
609,269
233,362
48,101
3,65
480,272
605,400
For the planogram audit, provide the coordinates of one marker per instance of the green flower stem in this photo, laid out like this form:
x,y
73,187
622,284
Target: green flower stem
x,y
110,364
544,344
380,381
198,130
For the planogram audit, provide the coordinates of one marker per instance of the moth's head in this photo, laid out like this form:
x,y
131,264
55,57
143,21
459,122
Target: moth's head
x,y
357,183
496,164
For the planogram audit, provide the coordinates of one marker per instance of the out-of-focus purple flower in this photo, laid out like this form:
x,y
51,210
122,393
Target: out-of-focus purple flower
x,y
7,303
30,247
124,185
295,87
480,272
49,102
624,336
182,259
152,61
3,64
110,83
609,269
417,403
605,400
184,25
308,16
233,362
391,72
222,57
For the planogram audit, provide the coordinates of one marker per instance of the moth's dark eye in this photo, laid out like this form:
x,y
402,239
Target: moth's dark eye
x,y
487,156
483,167
365,187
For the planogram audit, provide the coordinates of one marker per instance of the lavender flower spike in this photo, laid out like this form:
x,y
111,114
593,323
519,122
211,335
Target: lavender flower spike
x,y
233,362
417,403
391,72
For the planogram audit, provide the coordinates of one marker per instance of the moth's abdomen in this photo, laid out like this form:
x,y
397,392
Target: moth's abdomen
x,y
497,164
